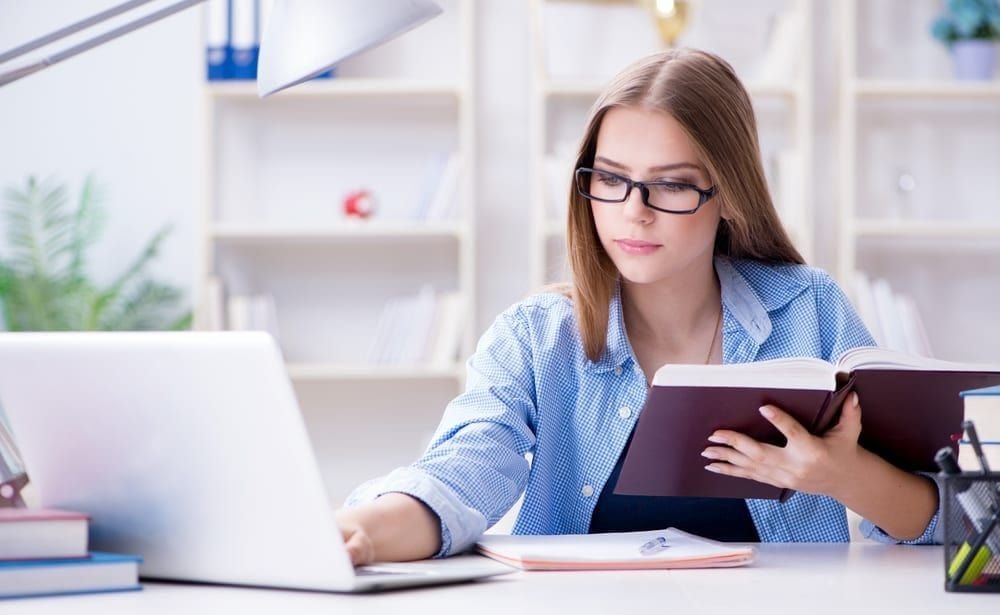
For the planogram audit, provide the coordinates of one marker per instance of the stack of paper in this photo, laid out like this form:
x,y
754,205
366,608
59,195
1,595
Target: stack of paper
x,y
669,548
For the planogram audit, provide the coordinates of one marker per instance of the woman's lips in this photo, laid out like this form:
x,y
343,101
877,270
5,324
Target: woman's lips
x,y
636,246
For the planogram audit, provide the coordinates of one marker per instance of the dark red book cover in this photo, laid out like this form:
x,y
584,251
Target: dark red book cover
x,y
907,415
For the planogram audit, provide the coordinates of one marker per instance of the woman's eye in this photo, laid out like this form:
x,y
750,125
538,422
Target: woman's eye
x,y
610,180
669,188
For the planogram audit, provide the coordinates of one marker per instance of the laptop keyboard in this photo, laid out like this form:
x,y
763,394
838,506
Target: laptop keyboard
x,y
367,572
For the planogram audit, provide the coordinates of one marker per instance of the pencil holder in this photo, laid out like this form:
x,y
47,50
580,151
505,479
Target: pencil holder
x,y
971,517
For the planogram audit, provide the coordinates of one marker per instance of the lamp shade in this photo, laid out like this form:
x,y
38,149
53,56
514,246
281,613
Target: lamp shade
x,y
305,38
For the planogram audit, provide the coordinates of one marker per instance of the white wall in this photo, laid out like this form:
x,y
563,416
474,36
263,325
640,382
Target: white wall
x,y
128,112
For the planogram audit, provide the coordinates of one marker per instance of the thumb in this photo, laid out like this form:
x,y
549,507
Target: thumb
x,y
359,545
850,417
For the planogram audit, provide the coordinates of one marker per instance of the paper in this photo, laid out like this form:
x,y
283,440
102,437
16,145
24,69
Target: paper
x,y
613,551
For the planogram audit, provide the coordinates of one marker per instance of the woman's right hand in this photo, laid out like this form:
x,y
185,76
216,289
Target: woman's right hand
x,y
359,544
394,527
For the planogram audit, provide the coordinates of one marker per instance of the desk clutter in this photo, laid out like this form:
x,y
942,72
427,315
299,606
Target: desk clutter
x,y
971,515
43,552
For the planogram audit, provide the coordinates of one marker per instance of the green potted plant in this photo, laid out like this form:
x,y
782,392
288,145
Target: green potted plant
x,y
970,28
44,284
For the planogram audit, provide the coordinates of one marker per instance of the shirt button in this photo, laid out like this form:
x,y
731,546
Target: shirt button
x,y
624,412
618,371
587,491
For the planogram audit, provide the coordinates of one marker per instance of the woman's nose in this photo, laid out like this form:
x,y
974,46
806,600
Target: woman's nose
x,y
635,210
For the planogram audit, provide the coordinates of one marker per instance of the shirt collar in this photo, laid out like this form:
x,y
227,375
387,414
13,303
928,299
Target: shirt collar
x,y
750,290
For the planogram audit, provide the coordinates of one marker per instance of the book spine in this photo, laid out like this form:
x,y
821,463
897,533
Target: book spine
x,y
216,39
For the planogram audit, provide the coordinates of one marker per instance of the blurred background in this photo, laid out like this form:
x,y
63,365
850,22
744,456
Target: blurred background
x,y
378,219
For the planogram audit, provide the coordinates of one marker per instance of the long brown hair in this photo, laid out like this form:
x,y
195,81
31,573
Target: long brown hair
x,y
702,92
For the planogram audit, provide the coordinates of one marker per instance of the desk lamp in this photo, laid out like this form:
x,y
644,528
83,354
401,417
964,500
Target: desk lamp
x,y
304,38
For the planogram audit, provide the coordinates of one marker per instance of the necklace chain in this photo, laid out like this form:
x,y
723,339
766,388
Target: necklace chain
x,y
715,334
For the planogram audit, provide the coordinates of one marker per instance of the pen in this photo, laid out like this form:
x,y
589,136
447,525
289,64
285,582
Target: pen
x,y
653,546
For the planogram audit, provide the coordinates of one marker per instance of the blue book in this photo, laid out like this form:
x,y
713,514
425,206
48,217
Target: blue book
x,y
217,49
245,40
96,573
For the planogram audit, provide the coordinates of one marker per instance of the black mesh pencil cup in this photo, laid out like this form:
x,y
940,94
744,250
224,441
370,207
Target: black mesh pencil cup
x,y
971,517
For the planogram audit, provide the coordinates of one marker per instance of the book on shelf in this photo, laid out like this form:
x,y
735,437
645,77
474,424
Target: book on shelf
x,y
910,408
657,549
864,302
94,573
256,312
443,202
893,318
420,329
37,533
233,31
982,407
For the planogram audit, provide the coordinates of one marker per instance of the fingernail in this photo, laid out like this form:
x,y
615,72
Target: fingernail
x,y
711,468
717,439
709,454
766,411
855,400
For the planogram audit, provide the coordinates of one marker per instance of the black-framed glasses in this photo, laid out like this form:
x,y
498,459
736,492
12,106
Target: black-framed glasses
x,y
666,196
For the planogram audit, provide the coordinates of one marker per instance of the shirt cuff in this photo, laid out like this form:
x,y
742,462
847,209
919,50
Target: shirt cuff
x,y
461,526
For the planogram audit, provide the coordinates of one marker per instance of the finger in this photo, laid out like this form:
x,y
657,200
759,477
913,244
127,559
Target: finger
x,y
360,549
850,418
777,479
788,426
758,452
728,455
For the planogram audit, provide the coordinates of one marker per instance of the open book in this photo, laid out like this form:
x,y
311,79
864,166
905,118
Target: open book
x,y
669,548
910,408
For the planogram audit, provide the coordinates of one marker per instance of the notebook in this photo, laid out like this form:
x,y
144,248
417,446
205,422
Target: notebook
x,y
657,549
32,533
910,408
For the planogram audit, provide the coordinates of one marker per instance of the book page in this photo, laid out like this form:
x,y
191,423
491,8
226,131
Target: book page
x,y
790,373
870,357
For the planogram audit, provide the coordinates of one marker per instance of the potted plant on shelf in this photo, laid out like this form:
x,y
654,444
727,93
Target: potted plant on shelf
x,y
44,285
970,28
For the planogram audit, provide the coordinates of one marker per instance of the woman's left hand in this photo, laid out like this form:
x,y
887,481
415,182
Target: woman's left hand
x,y
807,463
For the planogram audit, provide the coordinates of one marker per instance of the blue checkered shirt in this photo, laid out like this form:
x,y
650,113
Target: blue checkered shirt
x,y
531,391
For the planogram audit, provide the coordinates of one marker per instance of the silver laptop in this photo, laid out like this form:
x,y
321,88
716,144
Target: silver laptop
x,y
189,450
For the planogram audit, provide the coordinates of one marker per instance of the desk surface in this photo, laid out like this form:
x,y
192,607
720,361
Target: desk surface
x,y
794,578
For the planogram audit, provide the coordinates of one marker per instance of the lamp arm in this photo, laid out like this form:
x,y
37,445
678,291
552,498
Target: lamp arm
x,y
28,69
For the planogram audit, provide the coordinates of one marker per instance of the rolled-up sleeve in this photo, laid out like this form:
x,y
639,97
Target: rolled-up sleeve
x,y
475,468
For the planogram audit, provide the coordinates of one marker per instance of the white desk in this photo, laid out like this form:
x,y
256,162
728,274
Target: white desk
x,y
793,578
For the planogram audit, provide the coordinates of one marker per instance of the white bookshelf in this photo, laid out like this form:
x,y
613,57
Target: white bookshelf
x,y
275,172
938,240
554,98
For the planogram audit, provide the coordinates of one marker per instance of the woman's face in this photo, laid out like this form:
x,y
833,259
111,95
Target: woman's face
x,y
646,245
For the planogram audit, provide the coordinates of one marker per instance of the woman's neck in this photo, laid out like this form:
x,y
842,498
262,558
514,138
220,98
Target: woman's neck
x,y
673,314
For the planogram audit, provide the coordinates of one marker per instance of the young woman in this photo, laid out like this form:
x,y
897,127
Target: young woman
x,y
677,256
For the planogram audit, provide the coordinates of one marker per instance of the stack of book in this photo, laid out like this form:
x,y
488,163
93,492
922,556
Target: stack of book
x,y
43,552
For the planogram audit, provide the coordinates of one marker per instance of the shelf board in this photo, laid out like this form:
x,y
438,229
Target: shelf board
x,y
331,88
927,229
943,88
339,372
591,89
254,234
